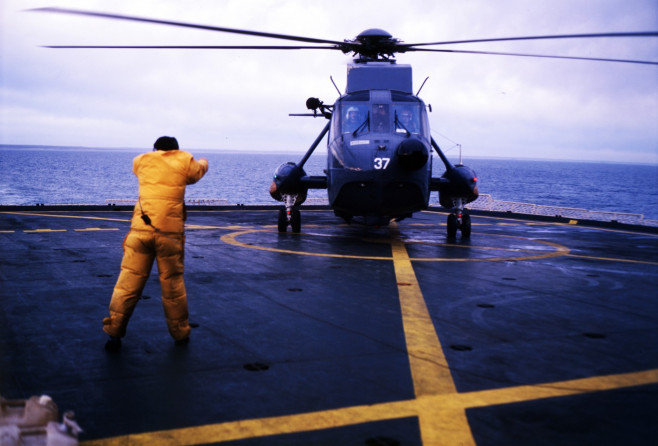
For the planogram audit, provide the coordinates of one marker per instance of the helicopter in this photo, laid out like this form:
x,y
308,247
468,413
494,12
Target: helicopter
x,y
379,166
379,145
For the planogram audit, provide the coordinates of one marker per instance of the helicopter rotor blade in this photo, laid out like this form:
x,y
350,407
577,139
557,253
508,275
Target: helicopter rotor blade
x,y
355,46
646,62
194,47
409,46
185,25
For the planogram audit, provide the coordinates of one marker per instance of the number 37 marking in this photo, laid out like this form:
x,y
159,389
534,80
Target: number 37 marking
x,y
381,163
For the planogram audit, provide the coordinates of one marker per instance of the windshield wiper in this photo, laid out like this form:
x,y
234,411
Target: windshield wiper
x,y
363,125
398,125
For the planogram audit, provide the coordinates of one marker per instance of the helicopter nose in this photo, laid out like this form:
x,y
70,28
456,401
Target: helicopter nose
x,y
412,154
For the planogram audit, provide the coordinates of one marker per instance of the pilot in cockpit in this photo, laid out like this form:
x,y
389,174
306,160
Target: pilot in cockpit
x,y
408,121
380,118
353,119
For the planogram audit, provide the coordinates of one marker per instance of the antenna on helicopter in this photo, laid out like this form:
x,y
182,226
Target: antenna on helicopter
x,y
335,86
421,86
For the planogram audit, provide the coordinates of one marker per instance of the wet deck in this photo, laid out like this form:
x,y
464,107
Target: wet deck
x,y
531,332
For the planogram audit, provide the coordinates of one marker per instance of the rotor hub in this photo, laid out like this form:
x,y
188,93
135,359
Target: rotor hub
x,y
373,44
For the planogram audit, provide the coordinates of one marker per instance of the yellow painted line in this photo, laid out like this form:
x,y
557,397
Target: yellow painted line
x,y
96,229
261,427
32,231
231,239
613,259
429,368
234,228
620,231
7,232
68,216
484,398
559,250
465,247
596,228
86,217
213,227
272,211
439,405
551,223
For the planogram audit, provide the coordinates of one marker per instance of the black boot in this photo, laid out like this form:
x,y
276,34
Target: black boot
x,y
113,345
182,342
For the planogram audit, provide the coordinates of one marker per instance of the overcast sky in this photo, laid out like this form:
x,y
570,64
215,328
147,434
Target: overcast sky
x,y
493,106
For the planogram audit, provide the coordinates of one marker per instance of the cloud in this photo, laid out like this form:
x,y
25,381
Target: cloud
x,y
493,106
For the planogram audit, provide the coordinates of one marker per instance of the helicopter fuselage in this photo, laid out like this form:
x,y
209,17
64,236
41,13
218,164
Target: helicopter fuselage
x,y
378,163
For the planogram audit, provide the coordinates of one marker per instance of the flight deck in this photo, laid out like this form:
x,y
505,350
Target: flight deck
x,y
530,332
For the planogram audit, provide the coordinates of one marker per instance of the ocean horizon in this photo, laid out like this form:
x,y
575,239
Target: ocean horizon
x,y
35,174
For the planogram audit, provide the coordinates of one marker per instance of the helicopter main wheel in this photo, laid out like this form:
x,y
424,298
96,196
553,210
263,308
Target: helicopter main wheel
x,y
453,223
283,220
296,221
466,226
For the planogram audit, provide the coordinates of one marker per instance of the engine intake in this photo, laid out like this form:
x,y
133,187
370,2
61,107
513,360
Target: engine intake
x,y
287,181
412,154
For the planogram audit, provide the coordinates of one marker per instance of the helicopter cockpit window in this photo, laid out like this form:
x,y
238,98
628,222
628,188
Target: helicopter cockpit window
x,y
380,118
406,119
354,117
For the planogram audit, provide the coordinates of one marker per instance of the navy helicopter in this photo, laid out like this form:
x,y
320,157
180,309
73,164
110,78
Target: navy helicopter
x,y
379,163
379,166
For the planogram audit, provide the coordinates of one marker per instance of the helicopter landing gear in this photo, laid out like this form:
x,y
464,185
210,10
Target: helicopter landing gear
x,y
459,219
466,225
452,225
290,215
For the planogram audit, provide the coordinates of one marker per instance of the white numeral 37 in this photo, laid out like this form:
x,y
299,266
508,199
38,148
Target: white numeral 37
x,y
381,163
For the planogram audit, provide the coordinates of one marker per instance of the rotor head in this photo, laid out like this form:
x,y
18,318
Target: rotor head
x,y
373,44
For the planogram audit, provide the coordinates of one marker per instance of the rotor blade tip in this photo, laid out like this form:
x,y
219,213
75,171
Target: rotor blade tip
x,y
42,9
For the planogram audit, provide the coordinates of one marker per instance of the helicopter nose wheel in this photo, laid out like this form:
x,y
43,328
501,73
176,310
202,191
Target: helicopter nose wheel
x,y
459,221
290,215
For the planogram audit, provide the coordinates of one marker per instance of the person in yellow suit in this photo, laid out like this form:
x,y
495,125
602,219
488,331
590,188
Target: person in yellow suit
x,y
156,233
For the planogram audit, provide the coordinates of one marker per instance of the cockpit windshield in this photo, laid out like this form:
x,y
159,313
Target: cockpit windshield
x,y
407,118
401,116
381,118
355,118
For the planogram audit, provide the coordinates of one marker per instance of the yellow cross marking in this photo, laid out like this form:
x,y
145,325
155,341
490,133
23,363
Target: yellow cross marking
x,y
440,406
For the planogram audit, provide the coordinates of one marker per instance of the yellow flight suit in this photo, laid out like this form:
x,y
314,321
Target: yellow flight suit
x,y
163,175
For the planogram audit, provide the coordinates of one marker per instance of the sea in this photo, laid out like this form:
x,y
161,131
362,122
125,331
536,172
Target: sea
x,y
31,175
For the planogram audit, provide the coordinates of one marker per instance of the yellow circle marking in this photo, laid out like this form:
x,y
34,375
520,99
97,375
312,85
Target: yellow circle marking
x,y
559,250
231,239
